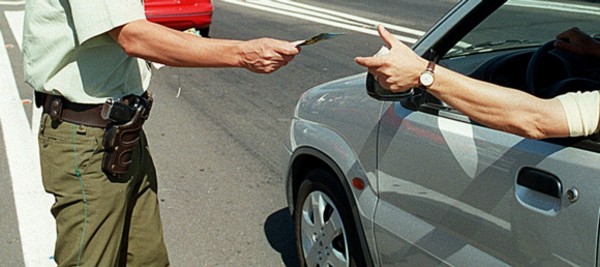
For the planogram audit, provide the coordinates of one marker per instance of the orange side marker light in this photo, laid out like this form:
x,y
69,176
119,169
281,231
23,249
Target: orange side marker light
x,y
358,183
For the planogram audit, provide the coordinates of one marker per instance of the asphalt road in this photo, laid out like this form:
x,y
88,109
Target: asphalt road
x,y
216,134
218,143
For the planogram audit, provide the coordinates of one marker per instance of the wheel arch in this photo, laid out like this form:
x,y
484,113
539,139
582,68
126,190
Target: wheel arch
x,y
305,159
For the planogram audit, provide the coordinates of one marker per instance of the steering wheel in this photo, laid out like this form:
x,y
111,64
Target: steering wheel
x,y
534,77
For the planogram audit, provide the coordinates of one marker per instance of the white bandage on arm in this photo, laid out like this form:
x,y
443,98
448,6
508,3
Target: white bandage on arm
x,y
582,111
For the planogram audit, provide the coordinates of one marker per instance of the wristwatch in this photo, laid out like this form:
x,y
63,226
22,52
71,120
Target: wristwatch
x,y
426,79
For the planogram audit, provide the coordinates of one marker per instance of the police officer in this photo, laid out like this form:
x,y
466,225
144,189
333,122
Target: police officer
x,y
77,55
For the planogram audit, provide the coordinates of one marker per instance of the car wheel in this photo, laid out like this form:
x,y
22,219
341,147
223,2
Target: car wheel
x,y
325,232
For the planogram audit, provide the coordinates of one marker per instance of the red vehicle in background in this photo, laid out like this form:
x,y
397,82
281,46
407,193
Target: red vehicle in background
x,y
181,14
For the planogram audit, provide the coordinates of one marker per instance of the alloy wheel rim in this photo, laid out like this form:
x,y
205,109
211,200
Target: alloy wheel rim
x,y
324,240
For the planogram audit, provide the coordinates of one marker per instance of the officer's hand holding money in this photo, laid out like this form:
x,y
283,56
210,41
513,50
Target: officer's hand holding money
x,y
266,55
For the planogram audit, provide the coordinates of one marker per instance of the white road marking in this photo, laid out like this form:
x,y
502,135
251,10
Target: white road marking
x,y
364,25
369,22
36,225
323,16
15,21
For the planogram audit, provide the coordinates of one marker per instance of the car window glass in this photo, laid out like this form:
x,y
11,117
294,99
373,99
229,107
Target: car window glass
x,y
520,23
500,48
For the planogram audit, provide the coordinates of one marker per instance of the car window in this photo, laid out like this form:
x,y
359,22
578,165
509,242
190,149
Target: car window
x,y
500,48
520,23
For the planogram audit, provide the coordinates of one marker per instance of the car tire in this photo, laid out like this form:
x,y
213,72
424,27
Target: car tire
x,y
325,231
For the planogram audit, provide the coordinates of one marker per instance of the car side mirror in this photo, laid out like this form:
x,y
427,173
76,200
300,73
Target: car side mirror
x,y
375,90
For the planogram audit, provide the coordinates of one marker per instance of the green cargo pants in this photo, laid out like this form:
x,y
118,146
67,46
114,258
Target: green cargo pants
x,y
100,221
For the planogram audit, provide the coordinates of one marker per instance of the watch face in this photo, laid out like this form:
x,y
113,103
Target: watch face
x,y
426,79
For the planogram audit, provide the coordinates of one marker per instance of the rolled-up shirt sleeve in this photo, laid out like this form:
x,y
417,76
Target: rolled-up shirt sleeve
x,y
583,112
94,17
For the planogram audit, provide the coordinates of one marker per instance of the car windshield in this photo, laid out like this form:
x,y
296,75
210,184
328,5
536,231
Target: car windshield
x,y
526,23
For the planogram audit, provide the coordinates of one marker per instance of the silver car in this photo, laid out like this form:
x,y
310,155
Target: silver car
x,y
380,179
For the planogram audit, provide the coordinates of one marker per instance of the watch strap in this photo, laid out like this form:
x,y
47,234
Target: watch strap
x,y
430,66
426,78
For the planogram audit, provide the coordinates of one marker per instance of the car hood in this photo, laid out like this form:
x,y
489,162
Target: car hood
x,y
338,102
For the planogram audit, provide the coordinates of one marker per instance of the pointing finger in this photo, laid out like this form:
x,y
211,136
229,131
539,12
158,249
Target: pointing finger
x,y
368,62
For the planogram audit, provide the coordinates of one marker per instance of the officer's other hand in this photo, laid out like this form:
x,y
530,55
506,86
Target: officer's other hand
x,y
266,55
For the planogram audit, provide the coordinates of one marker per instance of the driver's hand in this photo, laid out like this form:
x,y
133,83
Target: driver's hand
x,y
576,41
399,69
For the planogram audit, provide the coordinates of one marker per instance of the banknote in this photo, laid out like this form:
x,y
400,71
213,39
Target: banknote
x,y
317,38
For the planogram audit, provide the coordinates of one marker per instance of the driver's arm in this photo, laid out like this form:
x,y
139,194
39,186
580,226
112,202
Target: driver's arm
x,y
495,106
501,108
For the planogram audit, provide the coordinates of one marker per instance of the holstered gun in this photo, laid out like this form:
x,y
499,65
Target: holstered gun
x,y
123,134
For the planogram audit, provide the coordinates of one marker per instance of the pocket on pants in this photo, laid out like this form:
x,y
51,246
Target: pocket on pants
x,y
66,153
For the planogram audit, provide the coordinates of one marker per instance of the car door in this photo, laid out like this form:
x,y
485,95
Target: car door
x,y
456,193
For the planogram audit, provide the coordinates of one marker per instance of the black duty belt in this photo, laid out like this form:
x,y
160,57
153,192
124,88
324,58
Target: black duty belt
x,y
61,109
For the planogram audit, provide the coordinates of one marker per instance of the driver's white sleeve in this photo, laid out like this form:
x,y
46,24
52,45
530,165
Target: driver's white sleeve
x,y
582,111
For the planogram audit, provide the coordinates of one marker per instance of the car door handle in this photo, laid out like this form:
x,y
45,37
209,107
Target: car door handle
x,y
540,181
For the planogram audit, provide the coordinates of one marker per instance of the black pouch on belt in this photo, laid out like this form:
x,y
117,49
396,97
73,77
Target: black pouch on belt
x,y
127,117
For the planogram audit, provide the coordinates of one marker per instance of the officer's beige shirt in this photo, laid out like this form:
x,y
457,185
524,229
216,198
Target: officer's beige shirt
x,y
582,111
68,51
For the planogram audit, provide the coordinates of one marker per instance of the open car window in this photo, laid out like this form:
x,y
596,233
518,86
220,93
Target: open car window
x,y
501,47
522,23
